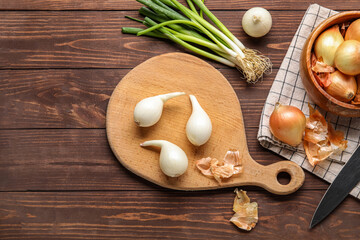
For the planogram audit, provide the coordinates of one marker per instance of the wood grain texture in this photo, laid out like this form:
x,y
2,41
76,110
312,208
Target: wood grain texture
x,y
133,5
228,131
167,215
81,159
77,98
58,68
93,39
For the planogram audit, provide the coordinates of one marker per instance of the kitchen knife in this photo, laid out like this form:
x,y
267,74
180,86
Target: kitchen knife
x,y
347,179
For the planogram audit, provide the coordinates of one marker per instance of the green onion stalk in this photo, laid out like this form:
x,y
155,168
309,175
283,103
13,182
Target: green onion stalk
x,y
171,20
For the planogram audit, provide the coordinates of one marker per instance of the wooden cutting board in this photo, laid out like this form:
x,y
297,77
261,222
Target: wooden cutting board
x,y
183,72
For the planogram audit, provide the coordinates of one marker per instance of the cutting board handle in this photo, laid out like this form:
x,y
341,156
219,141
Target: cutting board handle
x,y
270,172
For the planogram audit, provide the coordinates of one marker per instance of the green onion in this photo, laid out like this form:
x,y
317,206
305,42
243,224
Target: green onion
x,y
157,8
132,30
196,18
201,11
157,26
217,22
185,30
191,5
187,27
191,47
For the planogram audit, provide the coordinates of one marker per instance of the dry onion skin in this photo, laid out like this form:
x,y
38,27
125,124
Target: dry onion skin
x,y
230,166
321,71
246,213
321,140
319,66
356,100
343,29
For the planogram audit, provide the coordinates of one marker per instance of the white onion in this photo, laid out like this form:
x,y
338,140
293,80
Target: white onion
x,y
257,22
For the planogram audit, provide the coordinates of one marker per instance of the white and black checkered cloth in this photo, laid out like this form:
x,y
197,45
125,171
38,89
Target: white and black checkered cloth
x,y
288,89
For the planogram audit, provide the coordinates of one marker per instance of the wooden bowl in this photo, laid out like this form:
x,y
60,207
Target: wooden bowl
x,y
315,91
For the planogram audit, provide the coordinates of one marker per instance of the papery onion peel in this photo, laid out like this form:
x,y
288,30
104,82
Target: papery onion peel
x,y
321,140
343,29
221,169
246,213
321,71
320,67
356,99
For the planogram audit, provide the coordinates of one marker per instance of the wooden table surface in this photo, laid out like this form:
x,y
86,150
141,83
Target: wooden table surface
x,y
59,63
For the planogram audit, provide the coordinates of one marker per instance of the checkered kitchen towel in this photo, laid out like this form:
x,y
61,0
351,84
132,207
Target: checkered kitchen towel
x,y
288,89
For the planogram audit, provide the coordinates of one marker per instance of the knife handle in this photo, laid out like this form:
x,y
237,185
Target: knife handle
x,y
271,183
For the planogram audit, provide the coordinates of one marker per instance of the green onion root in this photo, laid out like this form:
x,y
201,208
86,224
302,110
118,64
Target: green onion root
x,y
254,65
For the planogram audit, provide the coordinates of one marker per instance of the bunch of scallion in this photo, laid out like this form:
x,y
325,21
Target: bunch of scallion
x,y
186,26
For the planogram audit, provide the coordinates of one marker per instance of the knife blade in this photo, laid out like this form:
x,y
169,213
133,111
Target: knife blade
x,y
347,179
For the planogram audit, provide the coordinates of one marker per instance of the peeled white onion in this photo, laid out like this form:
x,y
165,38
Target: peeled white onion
x,y
347,57
198,127
257,22
148,111
173,160
326,44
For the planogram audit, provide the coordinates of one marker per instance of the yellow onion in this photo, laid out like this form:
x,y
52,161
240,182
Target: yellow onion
x,y
353,32
343,87
347,57
327,43
287,123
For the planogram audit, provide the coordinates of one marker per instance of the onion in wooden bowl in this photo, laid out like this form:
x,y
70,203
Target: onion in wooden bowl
x,y
312,87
